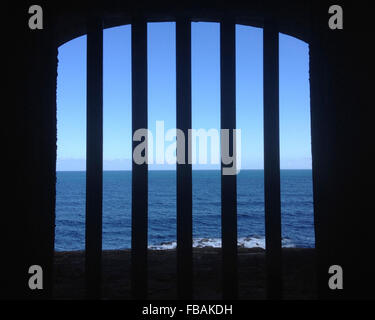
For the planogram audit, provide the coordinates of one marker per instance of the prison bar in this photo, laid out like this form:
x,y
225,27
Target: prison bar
x,y
139,171
228,182
272,159
184,170
94,159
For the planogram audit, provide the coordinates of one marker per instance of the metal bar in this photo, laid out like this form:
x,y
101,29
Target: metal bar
x,y
184,169
94,159
139,171
228,181
272,160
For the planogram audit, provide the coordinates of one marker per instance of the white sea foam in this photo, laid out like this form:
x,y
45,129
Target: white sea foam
x,y
244,242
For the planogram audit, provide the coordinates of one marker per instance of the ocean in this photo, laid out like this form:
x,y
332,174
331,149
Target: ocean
x,y
296,207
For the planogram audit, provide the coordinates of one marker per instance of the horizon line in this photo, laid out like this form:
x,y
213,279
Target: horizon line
x,y
127,170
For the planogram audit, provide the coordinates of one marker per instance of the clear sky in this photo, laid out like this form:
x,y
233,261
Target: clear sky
x,y
295,142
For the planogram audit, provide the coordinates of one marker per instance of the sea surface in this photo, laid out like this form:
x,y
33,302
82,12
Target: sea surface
x,y
296,207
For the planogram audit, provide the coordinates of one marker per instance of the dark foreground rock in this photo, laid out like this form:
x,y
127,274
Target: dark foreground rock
x,y
298,274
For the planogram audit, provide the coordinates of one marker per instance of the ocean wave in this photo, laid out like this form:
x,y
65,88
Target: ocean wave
x,y
244,242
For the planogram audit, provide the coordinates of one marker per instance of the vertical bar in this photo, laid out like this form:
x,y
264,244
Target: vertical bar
x,y
94,159
139,171
184,168
272,159
228,182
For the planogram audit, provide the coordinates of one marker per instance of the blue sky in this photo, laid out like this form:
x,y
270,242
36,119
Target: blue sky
x,y
295,142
